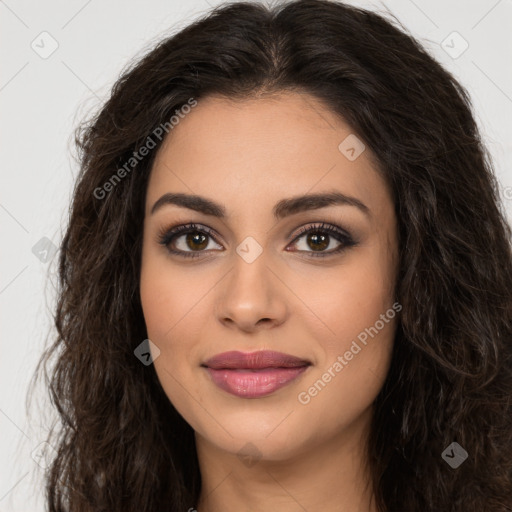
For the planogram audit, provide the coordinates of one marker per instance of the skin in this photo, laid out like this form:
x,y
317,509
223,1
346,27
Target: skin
x,y
248,155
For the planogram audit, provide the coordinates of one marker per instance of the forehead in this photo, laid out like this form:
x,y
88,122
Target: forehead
x,y
246,153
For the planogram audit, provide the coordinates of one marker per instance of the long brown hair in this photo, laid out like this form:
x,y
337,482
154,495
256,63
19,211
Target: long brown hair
x,y
121,445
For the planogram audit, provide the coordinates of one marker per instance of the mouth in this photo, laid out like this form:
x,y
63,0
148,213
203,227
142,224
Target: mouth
x,y
255,374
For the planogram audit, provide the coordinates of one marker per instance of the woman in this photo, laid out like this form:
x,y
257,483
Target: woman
x,y
344,342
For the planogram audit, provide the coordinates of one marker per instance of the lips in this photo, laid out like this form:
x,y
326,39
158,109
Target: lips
x,y
254,374
254,360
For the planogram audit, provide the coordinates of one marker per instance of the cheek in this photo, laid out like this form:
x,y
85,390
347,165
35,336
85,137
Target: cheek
x,y
353,364
174,308
357,339
169,298
353,298
158,303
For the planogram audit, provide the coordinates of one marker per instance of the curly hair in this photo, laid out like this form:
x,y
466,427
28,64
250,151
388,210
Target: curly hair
x,y
120,443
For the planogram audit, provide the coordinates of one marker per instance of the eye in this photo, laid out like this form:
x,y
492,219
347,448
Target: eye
x,y
190,240
320,237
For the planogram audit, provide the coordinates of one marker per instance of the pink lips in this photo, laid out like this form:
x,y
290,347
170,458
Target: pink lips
x,y
255,374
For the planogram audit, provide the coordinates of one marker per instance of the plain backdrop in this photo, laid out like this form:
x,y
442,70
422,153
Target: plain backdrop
x,y
59,60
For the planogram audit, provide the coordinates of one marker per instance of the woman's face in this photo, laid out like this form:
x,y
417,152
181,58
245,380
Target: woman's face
x,y
249,278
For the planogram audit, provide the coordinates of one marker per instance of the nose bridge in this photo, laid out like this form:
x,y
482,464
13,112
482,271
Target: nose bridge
x,y
251,291
249,278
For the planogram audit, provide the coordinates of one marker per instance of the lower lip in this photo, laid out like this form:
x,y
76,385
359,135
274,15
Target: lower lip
x,y
256,383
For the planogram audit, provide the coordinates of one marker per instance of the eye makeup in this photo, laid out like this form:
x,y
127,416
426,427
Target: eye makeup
x,y
318,234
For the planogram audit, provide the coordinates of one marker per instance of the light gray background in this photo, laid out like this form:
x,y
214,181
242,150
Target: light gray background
x,y
42,99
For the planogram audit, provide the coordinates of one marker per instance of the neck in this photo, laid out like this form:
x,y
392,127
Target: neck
x,y
328,476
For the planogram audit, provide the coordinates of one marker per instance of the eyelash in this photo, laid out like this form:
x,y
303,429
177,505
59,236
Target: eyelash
x,y
166,236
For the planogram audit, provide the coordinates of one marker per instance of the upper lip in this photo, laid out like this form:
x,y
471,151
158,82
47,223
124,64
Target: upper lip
x,y
251,360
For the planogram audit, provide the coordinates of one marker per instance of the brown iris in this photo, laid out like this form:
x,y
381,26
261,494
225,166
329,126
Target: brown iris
x,y
319,241
198,239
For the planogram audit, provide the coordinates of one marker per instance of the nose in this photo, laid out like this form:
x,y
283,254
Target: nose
x,y
251,297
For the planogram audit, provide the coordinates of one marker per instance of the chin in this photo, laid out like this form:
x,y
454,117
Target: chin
x,y
250,446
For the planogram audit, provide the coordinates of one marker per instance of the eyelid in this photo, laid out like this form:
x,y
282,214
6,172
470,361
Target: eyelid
x,y
168,234
345,239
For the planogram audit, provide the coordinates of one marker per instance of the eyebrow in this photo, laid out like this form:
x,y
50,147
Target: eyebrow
x,y
283,208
